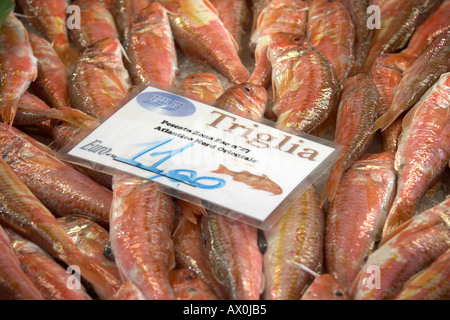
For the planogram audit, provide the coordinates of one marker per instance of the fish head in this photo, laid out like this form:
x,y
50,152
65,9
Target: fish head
x,y
187,285
249,98
326,287
107,52
152,15
287,45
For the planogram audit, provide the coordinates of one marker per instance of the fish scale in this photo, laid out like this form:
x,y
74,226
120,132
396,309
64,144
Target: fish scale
x,y
331,31
412,247
196,27
51,82
423,151
18,66
141,219
61,188
14,284
357,214
48,17
228,242
150,38
99,80
23,213
304,83
356,113
47,275
297,236
416,79
399,18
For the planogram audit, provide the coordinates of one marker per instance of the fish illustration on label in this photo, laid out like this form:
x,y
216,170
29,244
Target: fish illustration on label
x,y
256,182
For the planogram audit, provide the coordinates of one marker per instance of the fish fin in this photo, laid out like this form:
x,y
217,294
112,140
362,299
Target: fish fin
x,y
331,186
8,110
262,284
385,120
69,115
397,215
409,117
67,55
211,7
190,210
172,261
222,169
393,233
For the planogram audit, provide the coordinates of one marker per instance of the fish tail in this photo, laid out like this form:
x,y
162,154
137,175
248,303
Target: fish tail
x,y
190,210
69,115
385,120
105,283
263,70
67,55
331,186
398,214
8,110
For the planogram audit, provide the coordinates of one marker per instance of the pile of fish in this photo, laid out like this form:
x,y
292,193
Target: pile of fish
x,y
314,66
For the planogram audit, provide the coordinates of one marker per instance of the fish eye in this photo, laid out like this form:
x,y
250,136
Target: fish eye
x,y
192,77
59,123
139,19
247,89
338,293
296,39
188,278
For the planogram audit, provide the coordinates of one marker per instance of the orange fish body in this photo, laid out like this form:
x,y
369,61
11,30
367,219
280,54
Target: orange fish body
x,y
190,252
435,25
412,247
201,35
18,66
296,236
235,258
51,83
330,29
187,285
386,75
356,113
416,80
100,79
49,18
363,35
128,291
256,182
246,100
235,15
140,235
357,214
288,16
23,213
204,87
151,39
14,284
46,176
33,110
124,13
432,283
46,274
304,83
90,238
425,140
399,18
325,287
98,24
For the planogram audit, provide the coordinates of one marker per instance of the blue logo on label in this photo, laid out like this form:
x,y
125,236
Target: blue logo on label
x,y
166,103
